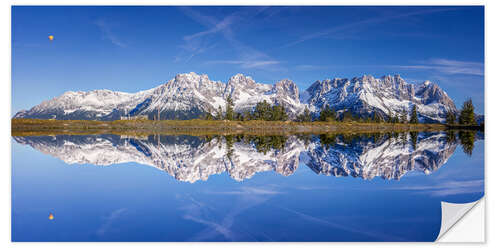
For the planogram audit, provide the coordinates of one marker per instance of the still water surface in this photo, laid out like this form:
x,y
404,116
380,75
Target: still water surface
x,y
366,187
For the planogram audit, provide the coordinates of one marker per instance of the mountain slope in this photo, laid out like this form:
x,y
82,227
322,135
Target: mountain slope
x,y
387,95
191,95
91,105
186,96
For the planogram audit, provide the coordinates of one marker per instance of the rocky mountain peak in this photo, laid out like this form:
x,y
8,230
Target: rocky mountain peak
x,y
241,80
387,95
287,87
190,95
368,78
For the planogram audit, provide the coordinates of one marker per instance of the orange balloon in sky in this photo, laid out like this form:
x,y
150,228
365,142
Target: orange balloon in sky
x,y
51,37
51,216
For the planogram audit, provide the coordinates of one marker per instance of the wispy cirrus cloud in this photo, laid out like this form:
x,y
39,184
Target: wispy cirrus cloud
x,y
222,30
108,220
438,65
216,27
247,64
311,67
223,224
446,188
353,26
105,28
447,66
341,226
248,191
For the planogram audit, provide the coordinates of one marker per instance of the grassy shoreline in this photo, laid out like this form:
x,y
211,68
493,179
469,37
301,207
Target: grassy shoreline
x,y
26,127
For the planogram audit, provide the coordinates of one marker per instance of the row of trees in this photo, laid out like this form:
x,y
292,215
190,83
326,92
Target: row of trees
x,y
465,117
267,112
263,111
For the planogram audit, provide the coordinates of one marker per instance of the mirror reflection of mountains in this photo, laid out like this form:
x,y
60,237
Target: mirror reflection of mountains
x,y
191,158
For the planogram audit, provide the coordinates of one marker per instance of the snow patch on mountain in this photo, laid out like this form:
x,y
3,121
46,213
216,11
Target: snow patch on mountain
x,y
388,95
191,95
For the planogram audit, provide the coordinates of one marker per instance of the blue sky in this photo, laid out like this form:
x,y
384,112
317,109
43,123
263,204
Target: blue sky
x,y
136,48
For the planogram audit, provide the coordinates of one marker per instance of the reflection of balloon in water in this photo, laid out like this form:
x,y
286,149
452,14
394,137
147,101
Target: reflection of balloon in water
x,y
51,37
51,216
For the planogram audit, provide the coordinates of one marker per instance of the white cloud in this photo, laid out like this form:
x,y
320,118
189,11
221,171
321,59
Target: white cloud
x,y
246,64
344,227
446,188
108,221
310,67
248,191
105,28
223,224
363,24
447,66
245,56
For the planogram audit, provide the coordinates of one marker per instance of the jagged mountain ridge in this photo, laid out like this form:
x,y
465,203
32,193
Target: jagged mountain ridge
x,y
388,95
191,95
191,159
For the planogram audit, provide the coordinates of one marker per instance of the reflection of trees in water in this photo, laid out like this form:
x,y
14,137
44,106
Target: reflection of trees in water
x,y
451,137
191,158
403,137
306,138
264,144
229,145
467,141
414,139
466,138
328,140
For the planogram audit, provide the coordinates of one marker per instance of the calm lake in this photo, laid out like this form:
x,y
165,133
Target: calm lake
x,y
362,187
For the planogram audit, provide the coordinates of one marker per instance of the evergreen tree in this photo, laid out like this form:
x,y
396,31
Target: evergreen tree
x,y
305,116
263,111
467,114
284,115
278,113
356,117
404,116
389,117
208,116
332,115
450,118
347,116
414,115
376,117
247,116
229,109
325,113
219,113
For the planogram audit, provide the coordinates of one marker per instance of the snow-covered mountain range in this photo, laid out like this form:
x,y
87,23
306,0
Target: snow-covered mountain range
x,y
191,159
387,95
191,95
